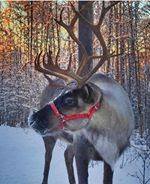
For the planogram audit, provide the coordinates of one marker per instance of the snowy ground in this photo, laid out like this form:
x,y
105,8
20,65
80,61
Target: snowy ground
x,y
22,159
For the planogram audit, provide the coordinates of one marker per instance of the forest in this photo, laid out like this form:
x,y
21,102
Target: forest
x,y
26,30
29,27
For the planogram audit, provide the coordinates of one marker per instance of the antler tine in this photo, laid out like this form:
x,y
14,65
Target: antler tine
x,y
50,68
71,34
105,10
61,13
73,21
44,71
113,3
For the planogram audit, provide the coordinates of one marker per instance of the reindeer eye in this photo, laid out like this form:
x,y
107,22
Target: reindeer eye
x,y
69,101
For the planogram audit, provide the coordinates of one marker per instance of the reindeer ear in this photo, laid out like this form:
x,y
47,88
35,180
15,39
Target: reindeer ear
x,y
88,94
87,90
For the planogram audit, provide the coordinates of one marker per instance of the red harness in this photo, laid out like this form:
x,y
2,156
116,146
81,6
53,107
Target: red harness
x,y
64,118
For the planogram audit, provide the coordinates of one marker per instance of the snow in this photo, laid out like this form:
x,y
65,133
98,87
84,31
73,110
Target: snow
x,y
22,161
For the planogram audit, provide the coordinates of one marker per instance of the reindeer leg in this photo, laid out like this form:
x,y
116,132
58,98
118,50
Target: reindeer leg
x,y
69,154
82,161
49,143
108,174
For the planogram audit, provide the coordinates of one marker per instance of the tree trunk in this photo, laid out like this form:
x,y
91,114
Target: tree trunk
x,y
85,33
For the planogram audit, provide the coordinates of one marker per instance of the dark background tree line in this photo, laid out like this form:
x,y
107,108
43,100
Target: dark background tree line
x,y
28,27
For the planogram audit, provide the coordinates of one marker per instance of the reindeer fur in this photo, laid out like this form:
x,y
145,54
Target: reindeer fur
x,y
108,131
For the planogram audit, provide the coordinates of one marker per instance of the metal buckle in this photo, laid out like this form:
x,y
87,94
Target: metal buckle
x,y
61,117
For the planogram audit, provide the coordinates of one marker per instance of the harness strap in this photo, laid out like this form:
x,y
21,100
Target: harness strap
x,y
64,118
58,115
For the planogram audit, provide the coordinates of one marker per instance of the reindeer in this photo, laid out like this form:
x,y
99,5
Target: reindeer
x,y
53,89
95,108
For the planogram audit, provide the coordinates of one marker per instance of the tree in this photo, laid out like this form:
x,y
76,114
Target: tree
x,y
85,33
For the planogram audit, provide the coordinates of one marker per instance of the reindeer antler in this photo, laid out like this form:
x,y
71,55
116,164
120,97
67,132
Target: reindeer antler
x,y
52,68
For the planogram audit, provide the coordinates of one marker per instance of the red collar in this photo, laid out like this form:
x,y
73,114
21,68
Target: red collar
x,y
64,118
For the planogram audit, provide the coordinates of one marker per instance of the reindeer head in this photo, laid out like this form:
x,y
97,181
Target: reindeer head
x,y
75,101
75,98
